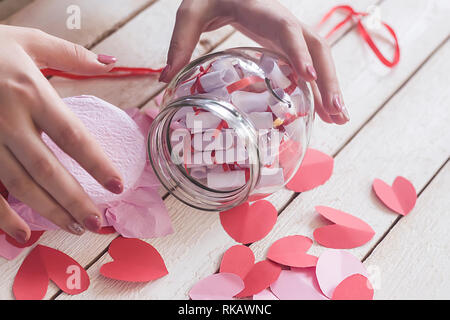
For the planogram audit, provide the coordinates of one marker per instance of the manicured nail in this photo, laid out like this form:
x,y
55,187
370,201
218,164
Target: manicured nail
x,y
337,102
114,185
162,77
105,59
311,71
76,228
92,223
21,236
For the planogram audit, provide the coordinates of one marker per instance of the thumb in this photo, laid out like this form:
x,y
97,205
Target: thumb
x,y
185,37
52,52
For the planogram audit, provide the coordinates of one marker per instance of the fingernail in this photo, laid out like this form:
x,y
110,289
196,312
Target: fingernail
x,y
92,223
76,228
21,236
311,71
114,185
105,59
340,106
162,77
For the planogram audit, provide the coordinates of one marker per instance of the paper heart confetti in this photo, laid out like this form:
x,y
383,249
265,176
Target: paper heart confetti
x,y
238,259
334,266
347,231
297,284
107,230
134,260
400,198
355,287
291,251
260,277
315,170
219,286
43,264
247,224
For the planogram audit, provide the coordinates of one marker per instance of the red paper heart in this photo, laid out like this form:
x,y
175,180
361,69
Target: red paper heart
x,y
348,231
400,198
107,230
247,224
355,287
315,170
43,264
238,259
288,155
34,237
291,251
134,260
260,277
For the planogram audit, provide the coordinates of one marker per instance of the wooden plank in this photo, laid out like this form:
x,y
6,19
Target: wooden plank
x,y
412,260
9,7
51,16
405,138
143,42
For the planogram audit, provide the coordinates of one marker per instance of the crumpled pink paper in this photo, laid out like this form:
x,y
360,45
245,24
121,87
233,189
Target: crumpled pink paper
x,y
139,211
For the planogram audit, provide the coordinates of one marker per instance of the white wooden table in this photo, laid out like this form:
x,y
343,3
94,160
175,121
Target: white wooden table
x,y
399,126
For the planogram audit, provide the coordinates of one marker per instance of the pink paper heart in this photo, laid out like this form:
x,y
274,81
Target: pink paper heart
x,y
355,287
219,286
315,170
266,294
297,284
238,259
291,251
400,198
347,232
334,266
260,276
247,224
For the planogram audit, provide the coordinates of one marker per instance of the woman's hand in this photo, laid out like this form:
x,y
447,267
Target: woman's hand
x,y
272,26
28,106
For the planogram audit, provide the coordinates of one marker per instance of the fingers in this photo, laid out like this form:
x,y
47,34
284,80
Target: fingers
x,y
318,106
46,171
49,51
12,224
186,34
22,186
326,76
68,132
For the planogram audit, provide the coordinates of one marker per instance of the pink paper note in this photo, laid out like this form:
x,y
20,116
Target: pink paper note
x,y
298,284
291,251
334,266
347,231
219,286
400,198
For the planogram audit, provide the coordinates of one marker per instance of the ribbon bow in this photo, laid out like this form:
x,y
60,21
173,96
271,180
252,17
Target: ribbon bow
x,y
357,16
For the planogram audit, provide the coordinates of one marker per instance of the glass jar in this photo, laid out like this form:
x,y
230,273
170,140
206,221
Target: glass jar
x,y
233,127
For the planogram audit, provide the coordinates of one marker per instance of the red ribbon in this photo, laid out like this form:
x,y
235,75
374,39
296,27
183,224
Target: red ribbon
x,y
118,72
357,16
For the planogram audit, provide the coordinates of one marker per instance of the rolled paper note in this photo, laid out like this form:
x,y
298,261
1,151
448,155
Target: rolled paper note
x,y
270,177
220,93
295,130
226,180
213,80
270,67
198,173
232,155
202,120
286,69
211,139
249,102
261,120
180,115
185,89
199,159
280,94
298,99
